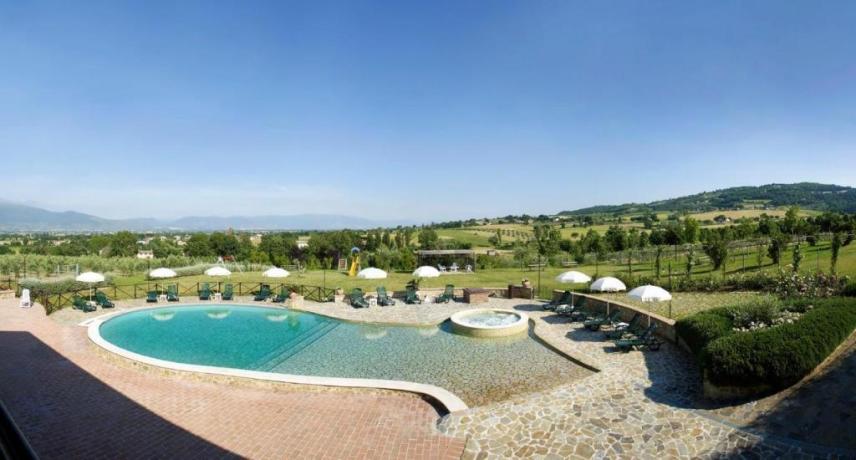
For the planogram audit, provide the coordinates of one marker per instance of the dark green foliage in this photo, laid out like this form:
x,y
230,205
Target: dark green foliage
x,y
850,289
39,288
779,356
700,329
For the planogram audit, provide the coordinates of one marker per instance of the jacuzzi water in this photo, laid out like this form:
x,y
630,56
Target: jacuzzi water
x,y
490,318
279,340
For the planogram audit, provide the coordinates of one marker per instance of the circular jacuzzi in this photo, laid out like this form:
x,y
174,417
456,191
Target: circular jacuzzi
x,y
490,322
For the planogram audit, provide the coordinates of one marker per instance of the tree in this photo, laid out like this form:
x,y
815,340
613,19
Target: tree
x,y
616,238
428,239
198,246
690,261
123,244
835,247
547,239
691,230
658,257
778,243
797,257
790,223
716,247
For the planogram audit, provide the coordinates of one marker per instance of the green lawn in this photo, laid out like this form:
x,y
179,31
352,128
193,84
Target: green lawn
x,y
686,303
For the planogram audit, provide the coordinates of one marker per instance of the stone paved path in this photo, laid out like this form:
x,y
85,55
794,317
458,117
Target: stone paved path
x,y
71,402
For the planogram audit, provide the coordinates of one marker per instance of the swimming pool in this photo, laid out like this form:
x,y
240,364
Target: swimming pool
x,y
284,341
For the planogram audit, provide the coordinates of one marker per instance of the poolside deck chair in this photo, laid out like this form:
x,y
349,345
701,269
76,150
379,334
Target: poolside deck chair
x,y
411,297
447,295
284,294
79,304
25,299
205,292
645,339
565,299
358,300
631,328
172,293
569,308
383,299
594,324
101,299
228,292
264,293
152,296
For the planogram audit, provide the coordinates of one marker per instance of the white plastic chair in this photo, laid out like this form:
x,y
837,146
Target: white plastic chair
x,y
25,299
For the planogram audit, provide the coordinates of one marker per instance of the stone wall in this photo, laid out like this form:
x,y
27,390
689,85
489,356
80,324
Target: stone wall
x,y
665,326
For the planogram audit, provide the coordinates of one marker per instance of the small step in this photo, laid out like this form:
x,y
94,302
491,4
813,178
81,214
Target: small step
x,y
306,341
286,345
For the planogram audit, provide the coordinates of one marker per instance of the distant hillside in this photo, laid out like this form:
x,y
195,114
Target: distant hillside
x,y
807,195
22,218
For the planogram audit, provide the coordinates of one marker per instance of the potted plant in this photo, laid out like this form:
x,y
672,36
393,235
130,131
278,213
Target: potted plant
x,y
526,283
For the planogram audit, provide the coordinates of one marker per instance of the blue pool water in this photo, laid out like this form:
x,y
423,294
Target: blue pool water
x,y
285,341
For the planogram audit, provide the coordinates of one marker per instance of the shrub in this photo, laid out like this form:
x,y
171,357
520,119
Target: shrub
x,y
780,356
849,290
761,311
40,288
700,329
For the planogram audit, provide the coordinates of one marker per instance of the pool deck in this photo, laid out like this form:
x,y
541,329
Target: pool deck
x,y
639,404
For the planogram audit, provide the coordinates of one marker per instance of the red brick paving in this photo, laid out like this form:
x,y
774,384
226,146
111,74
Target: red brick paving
x,y
71,402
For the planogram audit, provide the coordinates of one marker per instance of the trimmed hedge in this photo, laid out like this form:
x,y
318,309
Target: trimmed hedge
x,y
780,356
700,329
40,288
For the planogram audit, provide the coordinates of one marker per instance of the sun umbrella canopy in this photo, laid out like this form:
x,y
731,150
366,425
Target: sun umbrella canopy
x,y
426,271
90,277
573,277
162,273
218,271
608,284
275,272
649,293
371,273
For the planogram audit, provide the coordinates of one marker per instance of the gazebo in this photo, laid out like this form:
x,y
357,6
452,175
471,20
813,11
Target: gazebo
x,y
463,257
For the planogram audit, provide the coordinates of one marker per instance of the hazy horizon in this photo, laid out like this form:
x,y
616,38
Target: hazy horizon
x,y
424,112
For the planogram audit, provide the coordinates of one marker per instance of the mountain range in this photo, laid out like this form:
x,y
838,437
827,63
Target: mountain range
x,y
16,217
807,195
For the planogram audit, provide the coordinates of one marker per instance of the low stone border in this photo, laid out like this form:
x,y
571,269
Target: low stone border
x,y
446,398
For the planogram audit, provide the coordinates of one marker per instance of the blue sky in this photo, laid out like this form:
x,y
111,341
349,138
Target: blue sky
x,y
425,111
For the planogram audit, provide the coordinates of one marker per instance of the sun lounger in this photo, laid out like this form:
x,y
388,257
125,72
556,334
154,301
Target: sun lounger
x,y
205,292
264,293
172,293
383,299
619,330
565,299
569,309
152,296
645,339
283,295
358,300
411,297
595,323
447,295
78,303
101,299
228,293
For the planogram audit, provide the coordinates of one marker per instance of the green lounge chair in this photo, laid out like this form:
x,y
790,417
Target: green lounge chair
x,y
205,292
447,295
595,323
358,300
411,297
101,299
172,293
569,309
283,295
633,327
79,304
228,293
645,339
565,299
152,296
264,293
383,299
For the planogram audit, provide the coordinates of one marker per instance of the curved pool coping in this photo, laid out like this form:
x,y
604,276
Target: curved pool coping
x,y
449,400
486,331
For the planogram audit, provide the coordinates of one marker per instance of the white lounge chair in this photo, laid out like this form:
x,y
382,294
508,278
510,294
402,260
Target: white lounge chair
x,y
469,268
25,299
454,267
442,268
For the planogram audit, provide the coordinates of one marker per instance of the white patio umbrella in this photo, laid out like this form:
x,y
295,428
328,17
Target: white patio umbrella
x,y
275,272
608,284
426,271
218,271
573,277
371,273
162,273
649,293
90,278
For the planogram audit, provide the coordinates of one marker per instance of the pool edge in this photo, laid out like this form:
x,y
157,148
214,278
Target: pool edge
x,y
444,397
